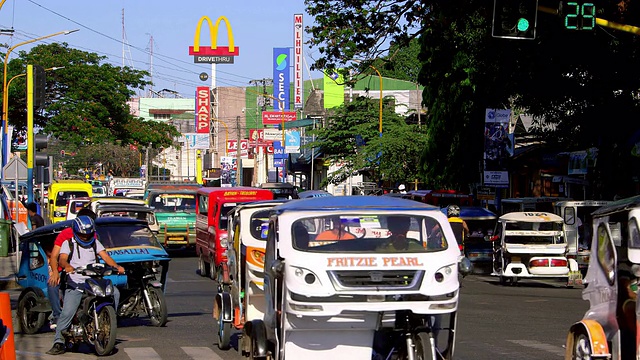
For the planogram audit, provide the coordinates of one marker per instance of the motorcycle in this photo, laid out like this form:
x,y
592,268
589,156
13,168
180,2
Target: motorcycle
x,y
95,320
143,293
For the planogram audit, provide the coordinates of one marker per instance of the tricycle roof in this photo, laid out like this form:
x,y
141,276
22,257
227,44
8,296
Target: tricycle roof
x,y
59,226
530,216
616,206
313,193
474,213
259,204
330,203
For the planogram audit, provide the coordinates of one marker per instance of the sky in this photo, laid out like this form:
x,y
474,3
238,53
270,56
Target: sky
x,y
159,33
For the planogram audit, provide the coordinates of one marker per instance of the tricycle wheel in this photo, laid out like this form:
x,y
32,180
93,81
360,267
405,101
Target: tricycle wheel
x,y
30,320
581,347
213,270
158,311
203,267
224,335
423,347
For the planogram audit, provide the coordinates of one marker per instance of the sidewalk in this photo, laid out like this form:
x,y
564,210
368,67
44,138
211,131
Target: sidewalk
x,y
7,272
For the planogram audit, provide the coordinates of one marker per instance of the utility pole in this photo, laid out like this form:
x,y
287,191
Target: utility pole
x,y
146,163
261,105
238,154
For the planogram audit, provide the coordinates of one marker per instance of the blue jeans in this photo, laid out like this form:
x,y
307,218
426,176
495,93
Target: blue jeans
x,y
72,299
53,294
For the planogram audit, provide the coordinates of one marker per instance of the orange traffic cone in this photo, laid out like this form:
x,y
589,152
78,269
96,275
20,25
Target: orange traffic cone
x,y
8,349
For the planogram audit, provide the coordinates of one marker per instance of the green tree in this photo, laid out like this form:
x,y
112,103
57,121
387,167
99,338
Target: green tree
x,y
86,100
352,138
573,94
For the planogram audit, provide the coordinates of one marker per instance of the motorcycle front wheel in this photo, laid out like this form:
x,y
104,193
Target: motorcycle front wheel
x,y
158,311
105,334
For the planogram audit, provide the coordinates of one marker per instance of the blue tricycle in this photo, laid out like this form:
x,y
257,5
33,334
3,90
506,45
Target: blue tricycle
x,y
129,242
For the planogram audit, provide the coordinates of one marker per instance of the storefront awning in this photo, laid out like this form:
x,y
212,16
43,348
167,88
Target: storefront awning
x,y
298,123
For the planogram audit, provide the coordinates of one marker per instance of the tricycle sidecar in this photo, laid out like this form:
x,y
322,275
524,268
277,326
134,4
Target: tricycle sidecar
x,y
609,329
357,277
126,241
530,245
248,233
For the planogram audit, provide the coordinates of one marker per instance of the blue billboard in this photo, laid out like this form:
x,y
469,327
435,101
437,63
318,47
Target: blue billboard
x,y
281,79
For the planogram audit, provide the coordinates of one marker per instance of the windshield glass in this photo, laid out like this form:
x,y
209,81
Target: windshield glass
x,y
64,196
260,224
119,235
383,233
173,202
224,215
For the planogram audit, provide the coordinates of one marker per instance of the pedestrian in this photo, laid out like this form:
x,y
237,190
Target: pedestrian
x,y
86,249
36,220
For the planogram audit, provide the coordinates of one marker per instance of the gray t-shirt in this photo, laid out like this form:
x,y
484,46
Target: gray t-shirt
x,y
81,257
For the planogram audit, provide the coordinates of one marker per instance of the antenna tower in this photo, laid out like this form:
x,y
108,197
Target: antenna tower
x,y
126,48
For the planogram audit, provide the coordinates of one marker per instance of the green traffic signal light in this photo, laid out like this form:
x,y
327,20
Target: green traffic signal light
x,y
523,24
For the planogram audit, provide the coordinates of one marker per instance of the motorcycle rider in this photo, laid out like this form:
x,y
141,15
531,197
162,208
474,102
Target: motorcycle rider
x,y
459,226
85,248
53,284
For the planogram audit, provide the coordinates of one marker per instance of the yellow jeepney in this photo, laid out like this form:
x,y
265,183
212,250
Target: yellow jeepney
x,y
60,191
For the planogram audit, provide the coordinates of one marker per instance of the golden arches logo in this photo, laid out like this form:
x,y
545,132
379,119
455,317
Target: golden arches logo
x,y
214,49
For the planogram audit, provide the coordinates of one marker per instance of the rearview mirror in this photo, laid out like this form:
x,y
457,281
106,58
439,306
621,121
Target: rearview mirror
x,y
277,268
465,266
635,269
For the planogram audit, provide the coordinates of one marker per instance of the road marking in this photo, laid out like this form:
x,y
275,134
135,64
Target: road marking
x,y
557,350
203,353
141,353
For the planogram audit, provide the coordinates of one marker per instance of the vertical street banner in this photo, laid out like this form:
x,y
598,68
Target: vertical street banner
x,y
292,139
203,109
498,146
281,78
228,168
333,89
298,97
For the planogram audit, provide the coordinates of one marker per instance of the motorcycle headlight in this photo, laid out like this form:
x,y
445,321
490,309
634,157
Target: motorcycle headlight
x,y
96,289
109,290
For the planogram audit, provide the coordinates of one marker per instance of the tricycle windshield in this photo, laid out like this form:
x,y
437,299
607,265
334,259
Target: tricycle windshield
x,y
121,235
370,233
534,226
260,224
224,215
173,203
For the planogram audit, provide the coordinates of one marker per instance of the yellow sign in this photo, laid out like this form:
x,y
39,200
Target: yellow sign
x,y
214,50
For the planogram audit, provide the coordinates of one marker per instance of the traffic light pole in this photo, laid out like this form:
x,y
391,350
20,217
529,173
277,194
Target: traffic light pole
x,y
30,134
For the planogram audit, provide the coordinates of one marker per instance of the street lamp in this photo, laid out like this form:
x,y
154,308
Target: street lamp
x,y
5,85
25,74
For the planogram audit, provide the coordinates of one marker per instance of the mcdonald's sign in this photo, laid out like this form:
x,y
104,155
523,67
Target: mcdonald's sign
x,y
213,54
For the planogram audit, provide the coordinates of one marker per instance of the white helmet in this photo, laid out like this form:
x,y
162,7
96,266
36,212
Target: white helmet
x,y
401,187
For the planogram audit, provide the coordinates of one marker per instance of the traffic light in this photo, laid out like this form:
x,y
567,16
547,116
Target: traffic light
x,y
41,159
40,143
578,15
39,88
515,19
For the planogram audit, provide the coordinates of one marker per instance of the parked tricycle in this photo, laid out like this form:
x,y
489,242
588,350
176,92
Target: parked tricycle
x,y
609,329
531,245
577,228
248,224
358,277
129,242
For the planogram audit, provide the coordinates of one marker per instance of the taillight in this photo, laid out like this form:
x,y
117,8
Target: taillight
x,y
460,247
559,262
539,262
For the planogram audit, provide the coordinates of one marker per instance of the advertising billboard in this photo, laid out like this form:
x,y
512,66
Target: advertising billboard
x,y
203,109
298,96
281,78
213,54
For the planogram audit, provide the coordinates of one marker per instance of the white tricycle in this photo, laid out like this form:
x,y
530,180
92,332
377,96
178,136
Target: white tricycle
x,y
358,278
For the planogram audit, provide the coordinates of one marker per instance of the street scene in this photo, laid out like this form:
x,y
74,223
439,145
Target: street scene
x,y
388,180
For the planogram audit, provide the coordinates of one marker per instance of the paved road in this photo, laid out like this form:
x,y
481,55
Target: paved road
x,y
527,321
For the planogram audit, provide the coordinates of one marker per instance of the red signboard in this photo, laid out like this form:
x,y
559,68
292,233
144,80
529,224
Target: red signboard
x,y
232,148
275,117
203,109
